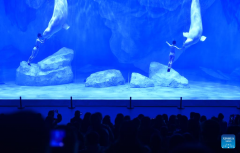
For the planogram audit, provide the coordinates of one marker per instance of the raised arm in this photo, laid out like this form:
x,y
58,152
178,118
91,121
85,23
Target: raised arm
x,y
168,44
178,48
43,40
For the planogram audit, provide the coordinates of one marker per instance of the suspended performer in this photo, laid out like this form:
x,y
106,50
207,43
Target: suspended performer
x,y
172,54
57,22
35,50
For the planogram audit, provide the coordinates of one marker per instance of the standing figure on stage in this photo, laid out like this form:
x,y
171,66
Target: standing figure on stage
x,y
172,54
35,50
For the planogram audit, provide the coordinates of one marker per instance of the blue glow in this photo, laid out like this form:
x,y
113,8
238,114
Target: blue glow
x,y
57,137
100,38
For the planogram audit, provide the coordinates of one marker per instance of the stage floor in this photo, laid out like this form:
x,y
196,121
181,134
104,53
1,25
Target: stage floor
x,y
198,91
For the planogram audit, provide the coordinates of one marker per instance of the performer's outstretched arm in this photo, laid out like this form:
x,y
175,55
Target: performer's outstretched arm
x,y
168,44
178,48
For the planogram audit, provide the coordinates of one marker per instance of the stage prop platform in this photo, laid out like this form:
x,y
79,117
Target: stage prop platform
x,y
130,103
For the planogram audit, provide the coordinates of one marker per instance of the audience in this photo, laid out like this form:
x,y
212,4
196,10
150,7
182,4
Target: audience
x,y
23,133
128,141
223,124
50,121
92,144
76,118
28,132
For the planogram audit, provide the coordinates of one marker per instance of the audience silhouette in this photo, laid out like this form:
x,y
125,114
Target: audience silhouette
x,y
28,132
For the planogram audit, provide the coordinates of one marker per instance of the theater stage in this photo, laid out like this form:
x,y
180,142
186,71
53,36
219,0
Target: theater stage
x,y
199,94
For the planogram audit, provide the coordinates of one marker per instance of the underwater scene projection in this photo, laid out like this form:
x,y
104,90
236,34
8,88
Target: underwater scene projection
x,y
116,49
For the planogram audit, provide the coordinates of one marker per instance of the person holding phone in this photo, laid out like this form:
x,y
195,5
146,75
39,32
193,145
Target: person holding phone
x,y
76,118
50,121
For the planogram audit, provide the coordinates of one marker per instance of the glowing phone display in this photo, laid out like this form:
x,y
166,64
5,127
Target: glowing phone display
x,y
57,137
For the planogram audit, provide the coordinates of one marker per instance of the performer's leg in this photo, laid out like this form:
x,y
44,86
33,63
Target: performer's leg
x,y
29,60
169,63
172,59
34,54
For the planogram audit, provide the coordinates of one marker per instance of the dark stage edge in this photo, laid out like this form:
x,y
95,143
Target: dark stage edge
x,y
117,103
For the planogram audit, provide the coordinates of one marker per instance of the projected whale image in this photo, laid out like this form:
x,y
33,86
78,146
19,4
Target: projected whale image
x,y
144,49
56,23
196,28
58,20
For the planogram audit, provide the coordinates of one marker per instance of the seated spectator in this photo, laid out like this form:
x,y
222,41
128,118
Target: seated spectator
x,y
118,122
23,132
155,143
159,122
183,125
96,126
172,124
188,137
165,118
76,118
197,117
165,138
192,114
222,123
203,119
127,118
85,123
92,144
140,116
127,141
136,123
233,130
178,117
107,121
194,129
175,141
172,120
109,130
146,131
210,131
215,119
50,121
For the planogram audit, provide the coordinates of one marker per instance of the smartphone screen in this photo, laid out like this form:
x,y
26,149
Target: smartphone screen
x,y
57,137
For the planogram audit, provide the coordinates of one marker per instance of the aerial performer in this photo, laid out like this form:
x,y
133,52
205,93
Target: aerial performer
x,y
194,34
39,41
172,54
57,22
196,28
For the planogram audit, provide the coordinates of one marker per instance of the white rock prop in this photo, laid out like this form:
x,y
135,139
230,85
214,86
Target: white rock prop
x,y
53,70
140,81
158,73
105,78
